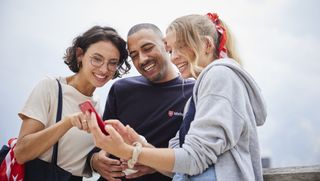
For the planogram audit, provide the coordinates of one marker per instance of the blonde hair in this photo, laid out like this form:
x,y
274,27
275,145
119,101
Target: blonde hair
x,y
230,44
190,31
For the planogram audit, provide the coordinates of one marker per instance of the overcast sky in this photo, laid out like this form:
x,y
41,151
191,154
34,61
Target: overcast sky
x,y
278,41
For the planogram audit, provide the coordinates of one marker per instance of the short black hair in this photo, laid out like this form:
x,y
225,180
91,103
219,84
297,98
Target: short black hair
x,y
141,26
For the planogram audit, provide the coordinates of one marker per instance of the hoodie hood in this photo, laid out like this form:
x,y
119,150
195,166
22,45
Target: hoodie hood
x,y
255,96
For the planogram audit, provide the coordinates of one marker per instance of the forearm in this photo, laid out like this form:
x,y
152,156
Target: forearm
x,y
159,159
89,167
32,142
166,173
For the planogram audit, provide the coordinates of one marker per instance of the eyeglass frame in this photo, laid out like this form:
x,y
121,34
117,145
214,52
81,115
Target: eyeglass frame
x,y
102,62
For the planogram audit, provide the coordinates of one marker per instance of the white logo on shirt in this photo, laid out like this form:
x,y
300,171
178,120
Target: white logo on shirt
x,y
173,113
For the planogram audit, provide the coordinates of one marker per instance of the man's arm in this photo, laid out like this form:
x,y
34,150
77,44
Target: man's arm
x,y
88,168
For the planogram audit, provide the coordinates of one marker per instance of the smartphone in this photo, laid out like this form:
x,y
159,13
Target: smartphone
x,y
87,106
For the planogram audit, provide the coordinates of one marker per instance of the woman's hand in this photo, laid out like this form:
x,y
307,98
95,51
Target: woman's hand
x,y
112,143
128,134
79,120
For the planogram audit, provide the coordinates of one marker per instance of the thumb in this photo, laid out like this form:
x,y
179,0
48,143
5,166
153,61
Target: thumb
x,y
113,133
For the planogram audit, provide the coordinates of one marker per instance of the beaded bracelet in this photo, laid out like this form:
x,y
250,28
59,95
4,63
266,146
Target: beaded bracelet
x,y
135,154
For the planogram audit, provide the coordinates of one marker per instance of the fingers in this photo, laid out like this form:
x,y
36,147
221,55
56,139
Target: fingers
x,y
74,120
102,162
84,123
110,161
132,131
103,154
97,134
106,160
92,123
113,133
126,132
133,134
111,175
93,126
107,167
117,125
78,120
142,170
110,165
112,143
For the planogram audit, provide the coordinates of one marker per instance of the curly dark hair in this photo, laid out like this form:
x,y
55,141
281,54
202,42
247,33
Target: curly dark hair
x,y
94,35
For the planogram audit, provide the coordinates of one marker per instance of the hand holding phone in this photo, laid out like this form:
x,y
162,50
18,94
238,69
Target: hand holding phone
x,y
87,106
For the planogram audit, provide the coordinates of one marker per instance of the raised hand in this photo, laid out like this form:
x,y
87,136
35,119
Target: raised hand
x,y
79,120
112,143
127,133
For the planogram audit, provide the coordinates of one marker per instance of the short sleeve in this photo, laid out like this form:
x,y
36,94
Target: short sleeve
x,y
38,103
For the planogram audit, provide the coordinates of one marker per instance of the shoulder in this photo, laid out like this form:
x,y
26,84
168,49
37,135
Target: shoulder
x,y
130,81
219,74
47,83
219,80
222,69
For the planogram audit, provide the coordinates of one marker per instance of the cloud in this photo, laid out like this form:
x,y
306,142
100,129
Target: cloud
x,y
279,46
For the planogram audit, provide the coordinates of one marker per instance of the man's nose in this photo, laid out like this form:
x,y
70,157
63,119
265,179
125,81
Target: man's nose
x,y
142,58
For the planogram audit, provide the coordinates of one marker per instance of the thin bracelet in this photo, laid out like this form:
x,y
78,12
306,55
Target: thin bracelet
x,y
135,154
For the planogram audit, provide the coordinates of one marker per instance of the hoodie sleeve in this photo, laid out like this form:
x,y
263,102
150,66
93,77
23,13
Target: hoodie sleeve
x,y
218,123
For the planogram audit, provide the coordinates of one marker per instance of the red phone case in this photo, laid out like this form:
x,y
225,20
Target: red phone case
x,y
87,106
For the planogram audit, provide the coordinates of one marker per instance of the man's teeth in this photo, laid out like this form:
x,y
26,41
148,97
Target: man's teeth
x,y
149,67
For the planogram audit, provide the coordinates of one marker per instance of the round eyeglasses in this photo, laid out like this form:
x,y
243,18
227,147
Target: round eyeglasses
x,y
97,62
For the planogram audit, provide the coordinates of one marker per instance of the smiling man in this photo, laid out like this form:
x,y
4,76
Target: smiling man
x,y
148,53
152,104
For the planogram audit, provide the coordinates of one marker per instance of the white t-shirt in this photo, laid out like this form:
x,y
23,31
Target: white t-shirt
x,y
42,106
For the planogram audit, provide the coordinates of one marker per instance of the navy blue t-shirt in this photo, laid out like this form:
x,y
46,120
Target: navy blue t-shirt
x,y
154,110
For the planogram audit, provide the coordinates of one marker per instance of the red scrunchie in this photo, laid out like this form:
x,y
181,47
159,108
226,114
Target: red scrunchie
x,y
222,50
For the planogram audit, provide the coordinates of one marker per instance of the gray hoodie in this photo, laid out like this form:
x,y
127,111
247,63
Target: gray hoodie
x,y
229,106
